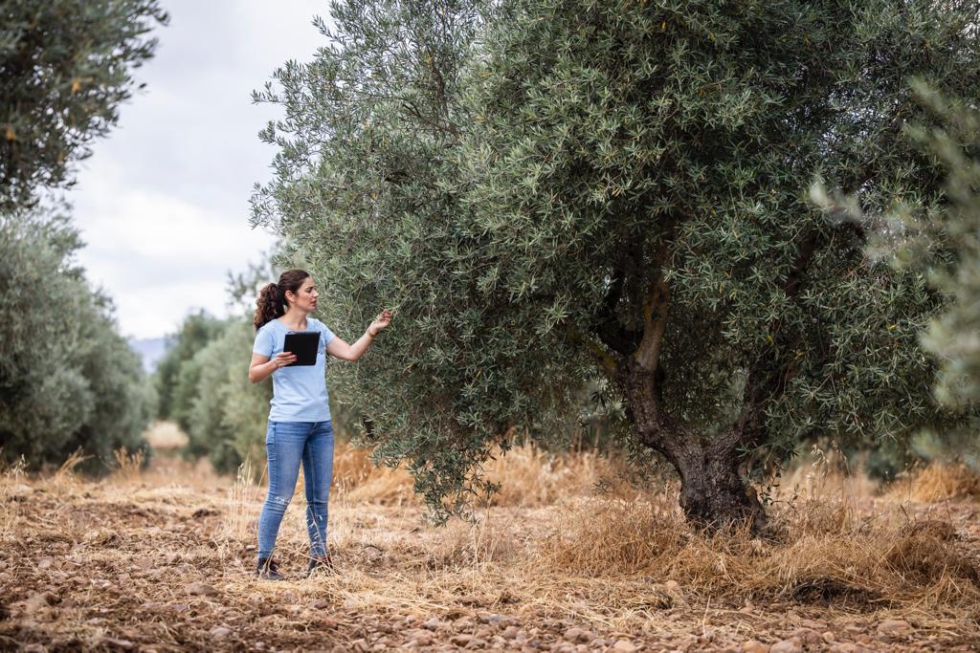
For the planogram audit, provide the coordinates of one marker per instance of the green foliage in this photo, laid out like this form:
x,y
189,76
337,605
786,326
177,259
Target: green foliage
x,y
372,222
227,415
945,239
65,66
174,384
68,381
953,337
560,190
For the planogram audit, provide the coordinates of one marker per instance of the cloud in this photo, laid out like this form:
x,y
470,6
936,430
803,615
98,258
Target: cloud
x,y
159,256
163,203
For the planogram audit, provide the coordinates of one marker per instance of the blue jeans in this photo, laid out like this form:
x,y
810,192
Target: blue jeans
x,y
288,444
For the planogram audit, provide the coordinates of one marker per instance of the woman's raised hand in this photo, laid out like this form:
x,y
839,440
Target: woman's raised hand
x,y
285,358
380,322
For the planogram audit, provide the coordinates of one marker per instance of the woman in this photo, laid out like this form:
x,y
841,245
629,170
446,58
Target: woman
x,y
299,421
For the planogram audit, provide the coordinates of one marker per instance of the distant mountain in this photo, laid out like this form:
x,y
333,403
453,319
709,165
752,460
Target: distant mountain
x,y
151,350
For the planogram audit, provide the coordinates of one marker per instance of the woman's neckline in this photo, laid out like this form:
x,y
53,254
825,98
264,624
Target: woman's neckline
x,y
288,328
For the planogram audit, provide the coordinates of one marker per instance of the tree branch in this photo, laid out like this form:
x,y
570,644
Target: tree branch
x,y
609,362
768,375
654,325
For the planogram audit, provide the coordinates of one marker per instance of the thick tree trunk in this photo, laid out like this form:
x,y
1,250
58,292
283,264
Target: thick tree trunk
x,y
713,493
714,496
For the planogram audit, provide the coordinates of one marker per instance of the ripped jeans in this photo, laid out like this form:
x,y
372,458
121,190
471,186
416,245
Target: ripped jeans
x,y
287,445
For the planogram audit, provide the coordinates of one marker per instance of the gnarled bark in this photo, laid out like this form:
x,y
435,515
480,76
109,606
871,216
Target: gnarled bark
x,y
713,494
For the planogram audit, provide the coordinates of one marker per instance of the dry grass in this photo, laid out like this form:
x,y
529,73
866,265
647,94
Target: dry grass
x,y
161,559
358,480
530,477
941,481
828,554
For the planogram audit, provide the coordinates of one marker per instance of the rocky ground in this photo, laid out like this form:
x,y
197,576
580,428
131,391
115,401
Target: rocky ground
x,y
161,562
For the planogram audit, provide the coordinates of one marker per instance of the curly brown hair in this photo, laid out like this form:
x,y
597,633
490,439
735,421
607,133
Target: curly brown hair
x,y
272,298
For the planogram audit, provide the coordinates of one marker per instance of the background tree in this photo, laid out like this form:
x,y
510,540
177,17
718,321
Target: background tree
x,y
175,384
944,238
618,190
203,380
65,67
226,418
68,380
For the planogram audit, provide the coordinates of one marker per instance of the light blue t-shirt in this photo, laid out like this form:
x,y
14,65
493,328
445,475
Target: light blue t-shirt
x,y
299,392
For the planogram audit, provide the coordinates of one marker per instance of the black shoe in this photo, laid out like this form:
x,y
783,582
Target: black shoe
x,y
267,569
322,565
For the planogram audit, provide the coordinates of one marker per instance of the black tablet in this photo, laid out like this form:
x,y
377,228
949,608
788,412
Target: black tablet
x,y
304,345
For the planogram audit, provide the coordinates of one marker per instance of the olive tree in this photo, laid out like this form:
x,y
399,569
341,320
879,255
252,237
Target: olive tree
x,y
556,191
65,67
68,381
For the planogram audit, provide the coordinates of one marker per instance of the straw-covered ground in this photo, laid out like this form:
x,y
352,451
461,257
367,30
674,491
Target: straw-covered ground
x,y
567,559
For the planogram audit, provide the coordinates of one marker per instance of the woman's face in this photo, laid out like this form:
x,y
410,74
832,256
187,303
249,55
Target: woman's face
x,y
305,298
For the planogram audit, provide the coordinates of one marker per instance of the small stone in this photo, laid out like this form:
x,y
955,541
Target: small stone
x,y
673,585
791,645
201,589
578,635
461,640
433,624
808,636
321,604
421,637
123,644
829,637
220,632
45,562
894,628
510,632
849,647
754,646
625,646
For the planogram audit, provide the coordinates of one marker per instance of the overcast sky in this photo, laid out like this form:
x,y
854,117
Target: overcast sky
x,y
163,202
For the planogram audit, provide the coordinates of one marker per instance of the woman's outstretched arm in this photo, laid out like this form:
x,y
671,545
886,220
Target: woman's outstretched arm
x,y
340,349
